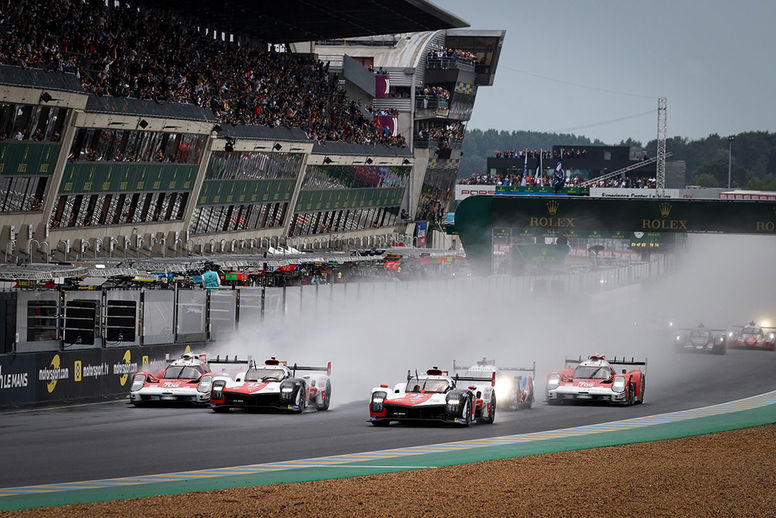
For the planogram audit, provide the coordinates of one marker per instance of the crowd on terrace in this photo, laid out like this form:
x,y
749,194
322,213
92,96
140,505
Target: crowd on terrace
x,y
452,55
453,132
534,180
544,153
126,51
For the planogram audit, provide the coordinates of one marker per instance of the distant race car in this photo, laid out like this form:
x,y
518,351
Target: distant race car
x,y
752,336
701,339
435,396
595,379
187,379
512,391
275,385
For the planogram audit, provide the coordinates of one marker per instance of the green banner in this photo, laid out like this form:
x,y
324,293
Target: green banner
x,y
228,192
84,177
348,199
28,158
646,237
519,189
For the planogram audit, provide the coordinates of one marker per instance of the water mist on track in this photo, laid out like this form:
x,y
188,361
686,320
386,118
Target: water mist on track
x,y
377,334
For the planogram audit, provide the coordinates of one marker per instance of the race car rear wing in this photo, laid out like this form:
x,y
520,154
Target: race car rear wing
x,y
704,328
491,379
225,360
615,361
326,369
531,369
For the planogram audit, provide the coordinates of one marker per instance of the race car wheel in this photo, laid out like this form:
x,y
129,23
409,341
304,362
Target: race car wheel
x,y
492,413
631,395
640,399
324,404
301,399
466,413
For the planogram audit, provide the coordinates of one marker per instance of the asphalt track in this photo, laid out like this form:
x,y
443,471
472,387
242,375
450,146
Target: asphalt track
x,y
114,439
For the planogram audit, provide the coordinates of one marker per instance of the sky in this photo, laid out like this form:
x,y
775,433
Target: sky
x,y
597,67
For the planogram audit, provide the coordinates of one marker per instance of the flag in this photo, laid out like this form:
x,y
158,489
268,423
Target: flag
x,y
559,180
525,165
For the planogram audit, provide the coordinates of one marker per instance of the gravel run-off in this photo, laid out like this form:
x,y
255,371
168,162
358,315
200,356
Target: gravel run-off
x,y
722,474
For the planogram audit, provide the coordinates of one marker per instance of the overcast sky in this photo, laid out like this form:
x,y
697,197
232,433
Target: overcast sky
x,y
714,60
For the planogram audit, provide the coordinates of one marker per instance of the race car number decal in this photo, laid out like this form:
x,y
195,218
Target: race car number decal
x,y
411,399
171,384
586,384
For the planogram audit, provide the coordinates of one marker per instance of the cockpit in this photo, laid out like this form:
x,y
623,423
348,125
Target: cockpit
x,y
590,372
439,386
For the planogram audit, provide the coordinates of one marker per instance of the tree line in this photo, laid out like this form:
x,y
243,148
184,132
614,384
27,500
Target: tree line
x,y
753,154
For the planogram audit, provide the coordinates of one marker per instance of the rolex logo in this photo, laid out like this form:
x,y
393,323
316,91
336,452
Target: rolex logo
x,y
552,207
665,209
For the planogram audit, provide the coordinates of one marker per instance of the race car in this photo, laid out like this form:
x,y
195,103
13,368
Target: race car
x,y
514,392
275,385
701,339
435,396
594,379
188,379
752,336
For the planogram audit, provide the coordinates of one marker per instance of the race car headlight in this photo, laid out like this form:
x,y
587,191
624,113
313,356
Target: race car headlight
x,y
619,384
377,401
453,403
503,388
287,390
678,338
770,336
553,381
204,384
137,382
730,334
218,389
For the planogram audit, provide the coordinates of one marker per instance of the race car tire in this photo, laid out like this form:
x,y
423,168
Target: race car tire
x,y
631,395
720,349
640,399
492,414
220,409
324,404
466,414
301,398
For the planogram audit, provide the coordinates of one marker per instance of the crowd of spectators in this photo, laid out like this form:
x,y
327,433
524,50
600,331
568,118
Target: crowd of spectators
x,y
432,92
126,51
453,55
543,153
447,135
533,180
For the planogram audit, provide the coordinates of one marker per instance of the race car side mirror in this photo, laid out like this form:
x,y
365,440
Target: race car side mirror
x,y
479,394
624,371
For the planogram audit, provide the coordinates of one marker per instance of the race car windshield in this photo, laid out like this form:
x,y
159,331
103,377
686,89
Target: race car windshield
x,y
592,373
265,375
184,372
700,334
416,385
751,331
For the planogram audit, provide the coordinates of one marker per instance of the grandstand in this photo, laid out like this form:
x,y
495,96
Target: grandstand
x,y
145,128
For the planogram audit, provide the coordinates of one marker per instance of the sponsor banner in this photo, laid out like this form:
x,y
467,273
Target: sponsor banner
x,y
464,191
72,375
382,86
420,233
616,192
17,379
391,122
519,190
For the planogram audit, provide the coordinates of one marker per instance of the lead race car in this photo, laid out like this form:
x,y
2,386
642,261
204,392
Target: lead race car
x,y
512,391
275,385
594,379
435,396
752,336
188,379
701,339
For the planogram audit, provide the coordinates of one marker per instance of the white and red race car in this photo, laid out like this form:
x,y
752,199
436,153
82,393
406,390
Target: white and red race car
x,y
275,385
594,379
435,396
512,391
188,379
752,336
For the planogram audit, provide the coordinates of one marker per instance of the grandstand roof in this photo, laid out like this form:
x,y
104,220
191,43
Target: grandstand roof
x,y
310,20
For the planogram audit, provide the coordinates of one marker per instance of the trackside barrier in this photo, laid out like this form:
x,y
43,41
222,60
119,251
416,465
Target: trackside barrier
x,y
68,376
